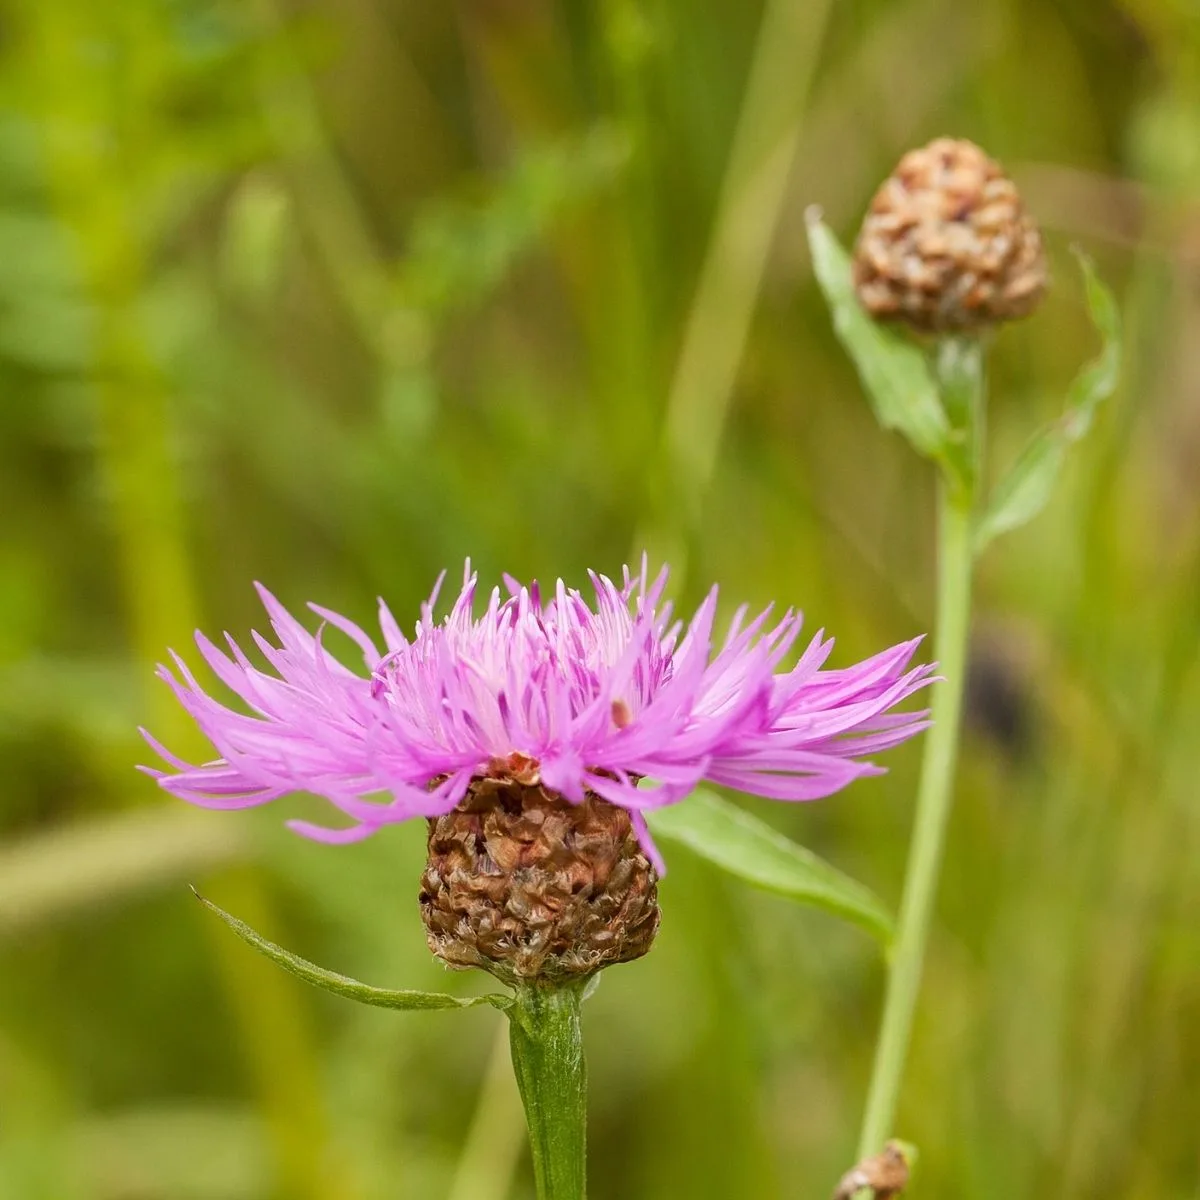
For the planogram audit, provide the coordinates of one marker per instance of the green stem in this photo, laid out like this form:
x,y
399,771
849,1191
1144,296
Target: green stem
x,y
933,810
547,1055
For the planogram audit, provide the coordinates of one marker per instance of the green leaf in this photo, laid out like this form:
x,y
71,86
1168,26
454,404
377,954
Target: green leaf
x,y
1028,486
343,985
1098,380
732,839
896,374
1026,489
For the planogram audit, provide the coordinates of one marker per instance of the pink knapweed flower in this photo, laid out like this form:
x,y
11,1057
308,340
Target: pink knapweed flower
x,y
555,691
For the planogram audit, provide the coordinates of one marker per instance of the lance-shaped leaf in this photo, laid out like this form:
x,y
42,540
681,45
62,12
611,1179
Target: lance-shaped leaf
x,y
343,985
1027,488
895,373
737,842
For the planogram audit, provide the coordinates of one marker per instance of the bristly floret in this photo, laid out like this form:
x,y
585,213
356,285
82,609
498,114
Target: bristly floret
x,y
579,698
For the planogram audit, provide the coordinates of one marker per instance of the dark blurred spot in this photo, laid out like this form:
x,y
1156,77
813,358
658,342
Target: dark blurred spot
x,y
998,702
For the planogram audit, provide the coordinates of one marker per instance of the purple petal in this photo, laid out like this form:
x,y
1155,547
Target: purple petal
x,y
596,691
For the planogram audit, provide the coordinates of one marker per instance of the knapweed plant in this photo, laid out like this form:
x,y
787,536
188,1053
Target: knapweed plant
x,y
545,741
946,254
550,738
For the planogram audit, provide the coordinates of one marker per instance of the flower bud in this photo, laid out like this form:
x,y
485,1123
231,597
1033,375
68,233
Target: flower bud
x,y
946,245
529,886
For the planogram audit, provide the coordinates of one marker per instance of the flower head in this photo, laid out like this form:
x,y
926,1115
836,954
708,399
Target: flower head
x,y
578,699
947,245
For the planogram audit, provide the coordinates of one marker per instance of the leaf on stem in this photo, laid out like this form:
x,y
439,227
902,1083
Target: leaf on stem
x,y
741,844
895,373
1027,488
343,985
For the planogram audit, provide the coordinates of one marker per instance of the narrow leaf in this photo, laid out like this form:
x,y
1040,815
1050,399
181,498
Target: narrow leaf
x,y
1028,486
343,985
895,373
1098,380
741,844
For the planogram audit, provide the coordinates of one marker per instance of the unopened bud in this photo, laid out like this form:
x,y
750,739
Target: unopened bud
x,y
947,246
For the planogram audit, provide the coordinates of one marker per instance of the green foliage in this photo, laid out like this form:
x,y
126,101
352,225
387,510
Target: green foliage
x,y
343,985
895,373
1027,487
749,849
459,252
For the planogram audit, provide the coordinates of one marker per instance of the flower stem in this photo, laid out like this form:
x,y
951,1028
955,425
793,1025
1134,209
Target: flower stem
x,y
547,1055
955,530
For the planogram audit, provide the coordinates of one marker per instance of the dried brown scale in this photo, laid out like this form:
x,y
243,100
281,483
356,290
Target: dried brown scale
x,y
886,1175
946,245
528,886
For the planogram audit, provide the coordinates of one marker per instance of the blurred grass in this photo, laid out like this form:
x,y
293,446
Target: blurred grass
x,y
334,295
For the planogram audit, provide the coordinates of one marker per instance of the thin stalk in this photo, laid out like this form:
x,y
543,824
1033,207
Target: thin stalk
x,y
933,811
547,1055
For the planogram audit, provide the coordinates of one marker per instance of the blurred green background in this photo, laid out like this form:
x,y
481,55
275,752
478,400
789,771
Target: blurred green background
x,y
333,294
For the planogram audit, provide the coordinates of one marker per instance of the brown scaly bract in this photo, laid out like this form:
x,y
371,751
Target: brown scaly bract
x,y
526,885
886,1175
947,245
